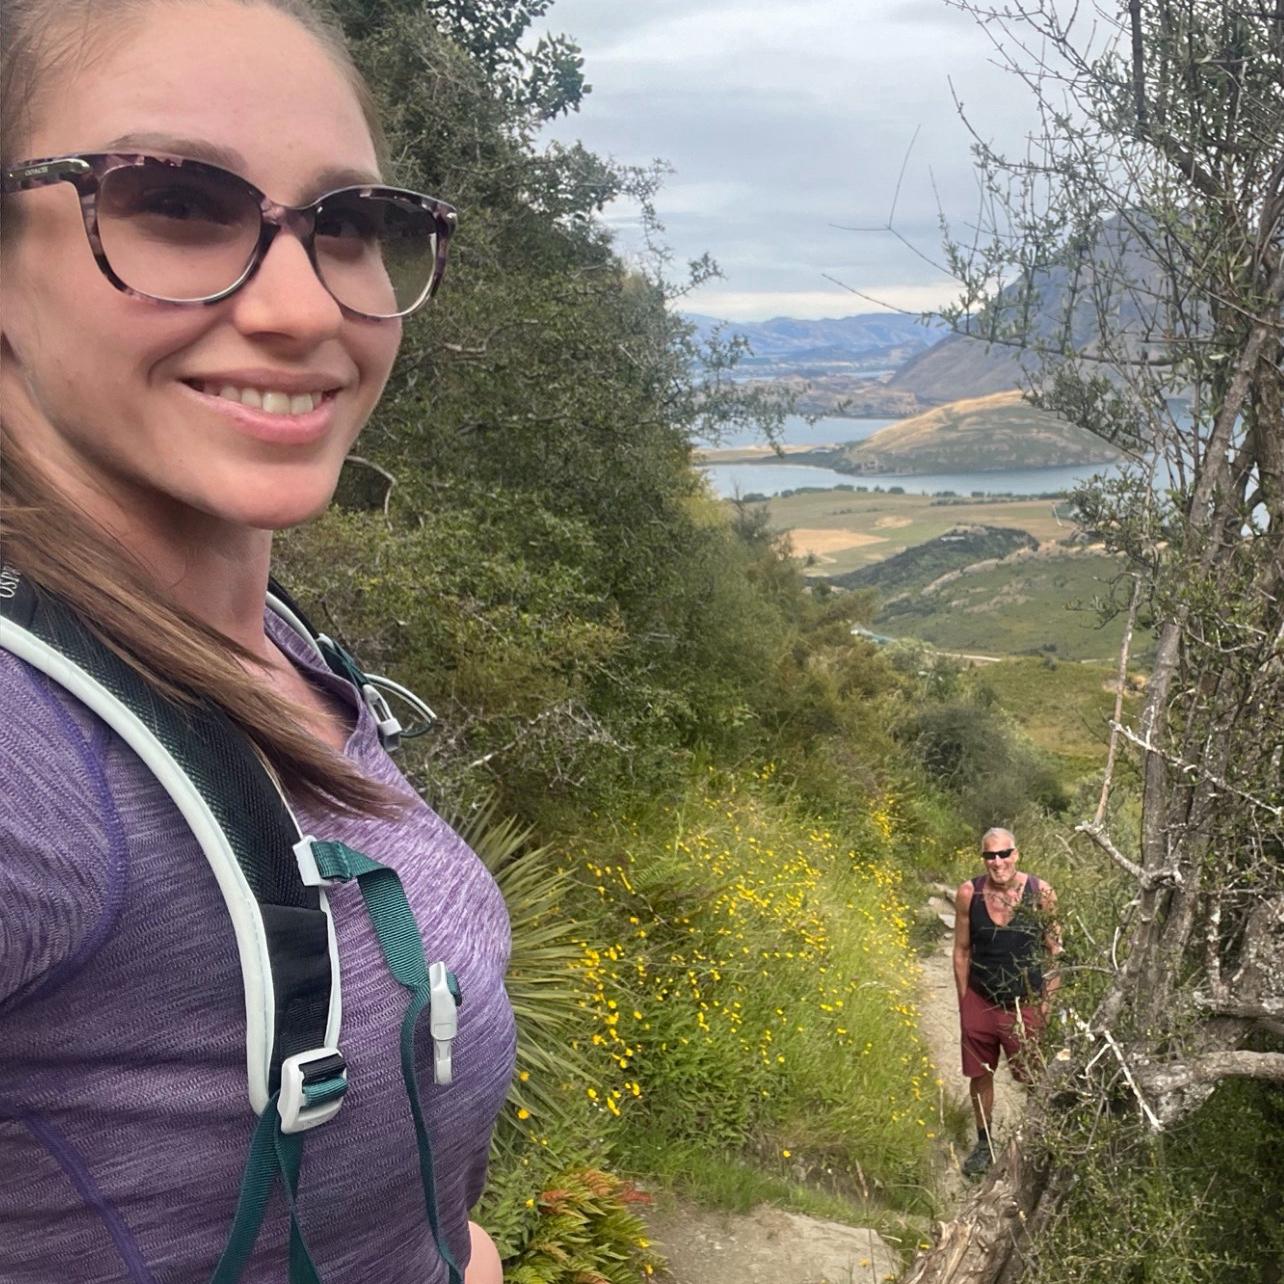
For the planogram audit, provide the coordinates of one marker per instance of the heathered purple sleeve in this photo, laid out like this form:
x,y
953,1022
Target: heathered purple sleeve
x,y
124,1121
60,837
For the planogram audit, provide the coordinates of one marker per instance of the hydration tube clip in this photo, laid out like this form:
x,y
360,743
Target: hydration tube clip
x,y
389,727
427,718
443,1020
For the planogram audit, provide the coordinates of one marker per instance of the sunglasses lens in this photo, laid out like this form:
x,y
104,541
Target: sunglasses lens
x,y
177,232
378,255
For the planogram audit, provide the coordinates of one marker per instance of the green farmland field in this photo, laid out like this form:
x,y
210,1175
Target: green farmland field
x,y
1043,605
1064,708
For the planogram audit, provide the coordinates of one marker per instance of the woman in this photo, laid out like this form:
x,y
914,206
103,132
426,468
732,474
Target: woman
x,y
175,387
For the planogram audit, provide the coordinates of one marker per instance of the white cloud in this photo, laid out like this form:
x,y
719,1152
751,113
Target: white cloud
x,y
762,305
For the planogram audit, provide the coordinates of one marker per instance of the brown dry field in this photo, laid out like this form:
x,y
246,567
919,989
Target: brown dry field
x,y
746,454
829,541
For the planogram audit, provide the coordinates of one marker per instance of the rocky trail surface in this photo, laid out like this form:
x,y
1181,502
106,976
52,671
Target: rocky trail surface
x,y
771,1246
767,1246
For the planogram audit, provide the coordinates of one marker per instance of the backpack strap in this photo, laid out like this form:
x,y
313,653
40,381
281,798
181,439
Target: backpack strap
x,y
372,688
284,933
273,880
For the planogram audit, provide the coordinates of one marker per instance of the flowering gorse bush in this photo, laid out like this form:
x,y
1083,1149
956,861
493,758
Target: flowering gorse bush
x,y
753,986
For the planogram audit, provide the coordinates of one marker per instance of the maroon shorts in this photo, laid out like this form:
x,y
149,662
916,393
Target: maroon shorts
x,y
987,1028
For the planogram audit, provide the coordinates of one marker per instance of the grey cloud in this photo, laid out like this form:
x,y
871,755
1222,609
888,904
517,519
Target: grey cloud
x,y
790,132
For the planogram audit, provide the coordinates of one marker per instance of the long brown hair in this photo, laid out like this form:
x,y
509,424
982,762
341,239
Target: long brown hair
x,y
60,548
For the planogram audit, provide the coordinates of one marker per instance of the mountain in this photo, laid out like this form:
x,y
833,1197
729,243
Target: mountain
x,y
1112,277
871,342
961,366
978,434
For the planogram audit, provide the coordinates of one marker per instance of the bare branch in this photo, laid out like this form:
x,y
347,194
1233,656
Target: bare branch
x,y
383,472
1266,1010
1149,879
1138,63
1114,1047
1193,769
1174,1076
1121,680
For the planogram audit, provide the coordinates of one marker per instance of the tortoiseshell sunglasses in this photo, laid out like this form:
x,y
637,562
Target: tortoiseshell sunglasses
x,y
185,231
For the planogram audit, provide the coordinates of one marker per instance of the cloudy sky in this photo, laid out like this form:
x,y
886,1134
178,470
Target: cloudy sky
x,y
782,118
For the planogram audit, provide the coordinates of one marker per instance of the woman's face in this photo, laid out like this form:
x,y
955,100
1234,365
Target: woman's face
x,y
106,389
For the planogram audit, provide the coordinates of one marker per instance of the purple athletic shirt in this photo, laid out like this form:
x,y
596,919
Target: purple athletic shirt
x,y
124,1119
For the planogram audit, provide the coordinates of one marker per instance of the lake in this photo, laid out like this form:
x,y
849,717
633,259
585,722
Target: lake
x,y
729,480
829,430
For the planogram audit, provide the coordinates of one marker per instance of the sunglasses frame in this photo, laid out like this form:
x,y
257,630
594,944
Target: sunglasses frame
x,y
86,172
1002,854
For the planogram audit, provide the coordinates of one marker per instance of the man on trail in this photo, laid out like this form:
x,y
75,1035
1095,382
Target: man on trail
x,y
1004,933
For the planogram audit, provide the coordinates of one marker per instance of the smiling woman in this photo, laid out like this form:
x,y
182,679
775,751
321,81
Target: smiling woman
x,y
204,280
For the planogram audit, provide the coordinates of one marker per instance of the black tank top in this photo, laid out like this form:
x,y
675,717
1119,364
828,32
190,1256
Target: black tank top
x,y
1006,960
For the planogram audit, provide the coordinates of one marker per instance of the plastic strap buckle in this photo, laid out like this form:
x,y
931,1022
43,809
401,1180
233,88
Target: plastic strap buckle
x,y
443,1020
389,727
306,858
312,1088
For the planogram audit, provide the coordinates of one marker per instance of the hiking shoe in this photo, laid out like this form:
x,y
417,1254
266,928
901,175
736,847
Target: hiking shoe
x,y
979,1161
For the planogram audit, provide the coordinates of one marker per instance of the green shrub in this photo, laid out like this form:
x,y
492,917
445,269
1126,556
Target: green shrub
x,y
968,746
583,1230
1200,1206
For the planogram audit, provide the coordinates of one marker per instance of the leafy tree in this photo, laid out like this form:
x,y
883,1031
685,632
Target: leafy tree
x,y
540,558
544,82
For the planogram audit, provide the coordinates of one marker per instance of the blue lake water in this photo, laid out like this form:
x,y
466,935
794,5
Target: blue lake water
x,y
826,431
729,480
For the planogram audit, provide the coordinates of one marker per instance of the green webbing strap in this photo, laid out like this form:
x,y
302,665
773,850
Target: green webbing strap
x,y
272,1153
341,662
403,951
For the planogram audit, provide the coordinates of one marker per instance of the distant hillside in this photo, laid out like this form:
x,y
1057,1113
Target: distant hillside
x,y
851,396
980,434
874,341
916,567
1036,603
960,366
1068,298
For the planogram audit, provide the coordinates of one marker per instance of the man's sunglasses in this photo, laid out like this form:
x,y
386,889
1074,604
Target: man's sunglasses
x,y
1002,854
184,231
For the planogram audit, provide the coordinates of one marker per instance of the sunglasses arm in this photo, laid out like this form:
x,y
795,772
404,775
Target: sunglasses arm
x,y
23,178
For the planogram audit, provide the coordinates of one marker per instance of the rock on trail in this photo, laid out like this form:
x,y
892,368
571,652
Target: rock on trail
x,y
767,1246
